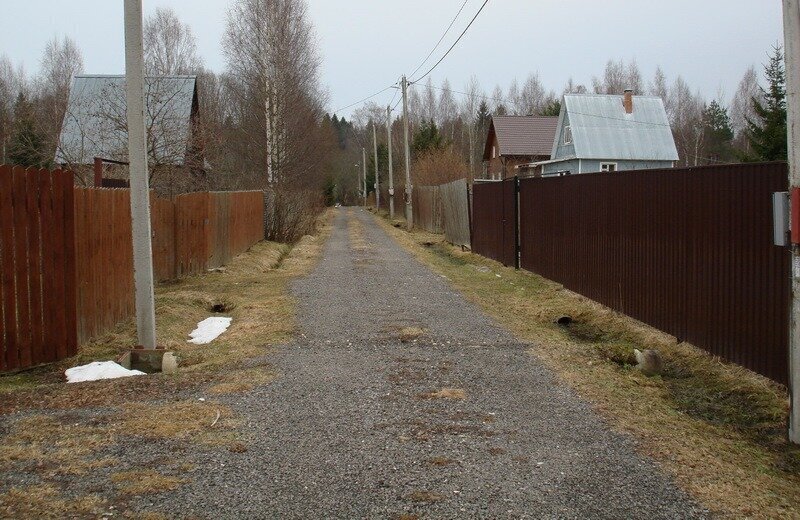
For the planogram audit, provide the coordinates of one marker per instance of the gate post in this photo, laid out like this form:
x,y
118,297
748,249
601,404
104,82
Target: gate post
x,y
517,243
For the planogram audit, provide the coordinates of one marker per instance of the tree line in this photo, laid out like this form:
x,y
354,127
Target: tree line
x,y
261,119
450,125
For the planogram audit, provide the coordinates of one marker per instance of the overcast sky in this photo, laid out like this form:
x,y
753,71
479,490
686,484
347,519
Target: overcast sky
x,y
367,44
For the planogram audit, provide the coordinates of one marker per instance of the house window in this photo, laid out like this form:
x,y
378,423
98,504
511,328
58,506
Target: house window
x,y
567,134
494,151
608,167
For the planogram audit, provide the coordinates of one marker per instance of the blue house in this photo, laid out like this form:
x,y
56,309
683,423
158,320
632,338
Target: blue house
x,y
606,133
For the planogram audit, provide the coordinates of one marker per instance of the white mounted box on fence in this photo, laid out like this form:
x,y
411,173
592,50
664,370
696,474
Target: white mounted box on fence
x,y
780,218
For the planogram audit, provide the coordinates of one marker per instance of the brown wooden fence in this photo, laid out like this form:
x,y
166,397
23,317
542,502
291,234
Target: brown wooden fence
x,y
37,315
67,256
688,251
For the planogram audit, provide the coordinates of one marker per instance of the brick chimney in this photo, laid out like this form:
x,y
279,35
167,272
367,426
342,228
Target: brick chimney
x,y
627,102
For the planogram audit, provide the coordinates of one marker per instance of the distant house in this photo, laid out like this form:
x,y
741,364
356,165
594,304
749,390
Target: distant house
x,y
602,133
95,126
516,140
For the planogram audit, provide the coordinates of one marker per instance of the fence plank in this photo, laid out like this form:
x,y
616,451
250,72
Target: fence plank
x,y
67,185
59,282
50,304
7,262
35,261
20,201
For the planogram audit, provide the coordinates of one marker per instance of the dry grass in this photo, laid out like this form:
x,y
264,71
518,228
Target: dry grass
x,y
253,290
426,497
718,428
46,501
445,393
144,482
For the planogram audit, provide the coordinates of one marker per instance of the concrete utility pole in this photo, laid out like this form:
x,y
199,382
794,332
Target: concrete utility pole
x,y
391,173
364,162
409,207
140,184
791,25
377,171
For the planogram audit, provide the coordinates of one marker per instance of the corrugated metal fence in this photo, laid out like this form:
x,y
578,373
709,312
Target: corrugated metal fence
x,y
688,251
494,220
67,256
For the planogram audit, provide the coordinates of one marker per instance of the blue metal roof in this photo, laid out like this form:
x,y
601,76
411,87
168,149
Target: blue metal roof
x,y
602,130
95,124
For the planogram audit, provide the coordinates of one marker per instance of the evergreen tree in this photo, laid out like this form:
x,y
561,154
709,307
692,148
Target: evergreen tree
x,y
482,119
552,108
427,138
27,146
718,134
767,133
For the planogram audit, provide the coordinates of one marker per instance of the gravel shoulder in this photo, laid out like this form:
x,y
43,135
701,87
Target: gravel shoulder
x,y
402,400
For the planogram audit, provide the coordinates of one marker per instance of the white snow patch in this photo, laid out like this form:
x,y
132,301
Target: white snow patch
x,y
99,370
209,329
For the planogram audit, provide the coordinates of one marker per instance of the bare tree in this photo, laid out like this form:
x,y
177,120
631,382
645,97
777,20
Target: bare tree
x,y
617,77
498,101
170,47
61,62
572,88
469,110
742,107
448,110
687,122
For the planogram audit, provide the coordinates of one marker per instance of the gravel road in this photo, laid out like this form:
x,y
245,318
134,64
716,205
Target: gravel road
x,y
353,428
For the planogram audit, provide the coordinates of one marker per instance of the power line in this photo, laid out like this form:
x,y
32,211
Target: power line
x,y
366,98
440,39
454,44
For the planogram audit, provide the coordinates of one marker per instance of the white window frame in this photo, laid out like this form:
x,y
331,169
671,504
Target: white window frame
x,y
494,152
568,134
604,167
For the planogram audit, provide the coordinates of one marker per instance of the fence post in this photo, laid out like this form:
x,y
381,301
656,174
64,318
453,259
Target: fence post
x,y
517,244
469,216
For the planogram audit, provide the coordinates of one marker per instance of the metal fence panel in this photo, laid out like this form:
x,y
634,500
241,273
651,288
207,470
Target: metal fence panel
x,y
688,251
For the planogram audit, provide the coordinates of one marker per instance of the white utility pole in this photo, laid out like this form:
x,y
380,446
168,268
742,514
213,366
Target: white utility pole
x,y
791,25
140,184
409,208
364,169
391,174
377,171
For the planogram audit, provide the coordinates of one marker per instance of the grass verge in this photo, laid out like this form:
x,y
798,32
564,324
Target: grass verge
x,y
51,432
718,428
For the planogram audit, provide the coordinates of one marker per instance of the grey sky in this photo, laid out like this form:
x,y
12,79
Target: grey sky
x,y
367,44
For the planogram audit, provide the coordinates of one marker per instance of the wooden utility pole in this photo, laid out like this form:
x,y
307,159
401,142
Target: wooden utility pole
x,y
377,171
140,184
364,169
791,25
391,173
409,207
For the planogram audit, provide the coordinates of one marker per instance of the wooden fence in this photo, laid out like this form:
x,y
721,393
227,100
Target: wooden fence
x,y
427,205
37,252
67,256
688,251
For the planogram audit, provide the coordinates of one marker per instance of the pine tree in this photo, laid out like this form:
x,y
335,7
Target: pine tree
x,y
482,119
427,138
27,145
718,134
552,108
767,133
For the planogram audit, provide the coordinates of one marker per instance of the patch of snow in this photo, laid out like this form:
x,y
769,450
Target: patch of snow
x,y
209,329
99,370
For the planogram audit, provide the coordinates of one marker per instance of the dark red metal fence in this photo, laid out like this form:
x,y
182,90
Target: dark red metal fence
x,y
494,220
688,251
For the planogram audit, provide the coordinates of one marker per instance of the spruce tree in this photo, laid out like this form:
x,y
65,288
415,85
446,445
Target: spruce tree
x,y
767,132
27,145
717,132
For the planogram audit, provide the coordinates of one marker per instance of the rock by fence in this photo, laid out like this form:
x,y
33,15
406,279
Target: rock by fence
x,y
67,256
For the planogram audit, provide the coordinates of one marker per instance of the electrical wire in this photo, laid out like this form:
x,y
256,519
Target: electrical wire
x,y
454,43
366,98
446,32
